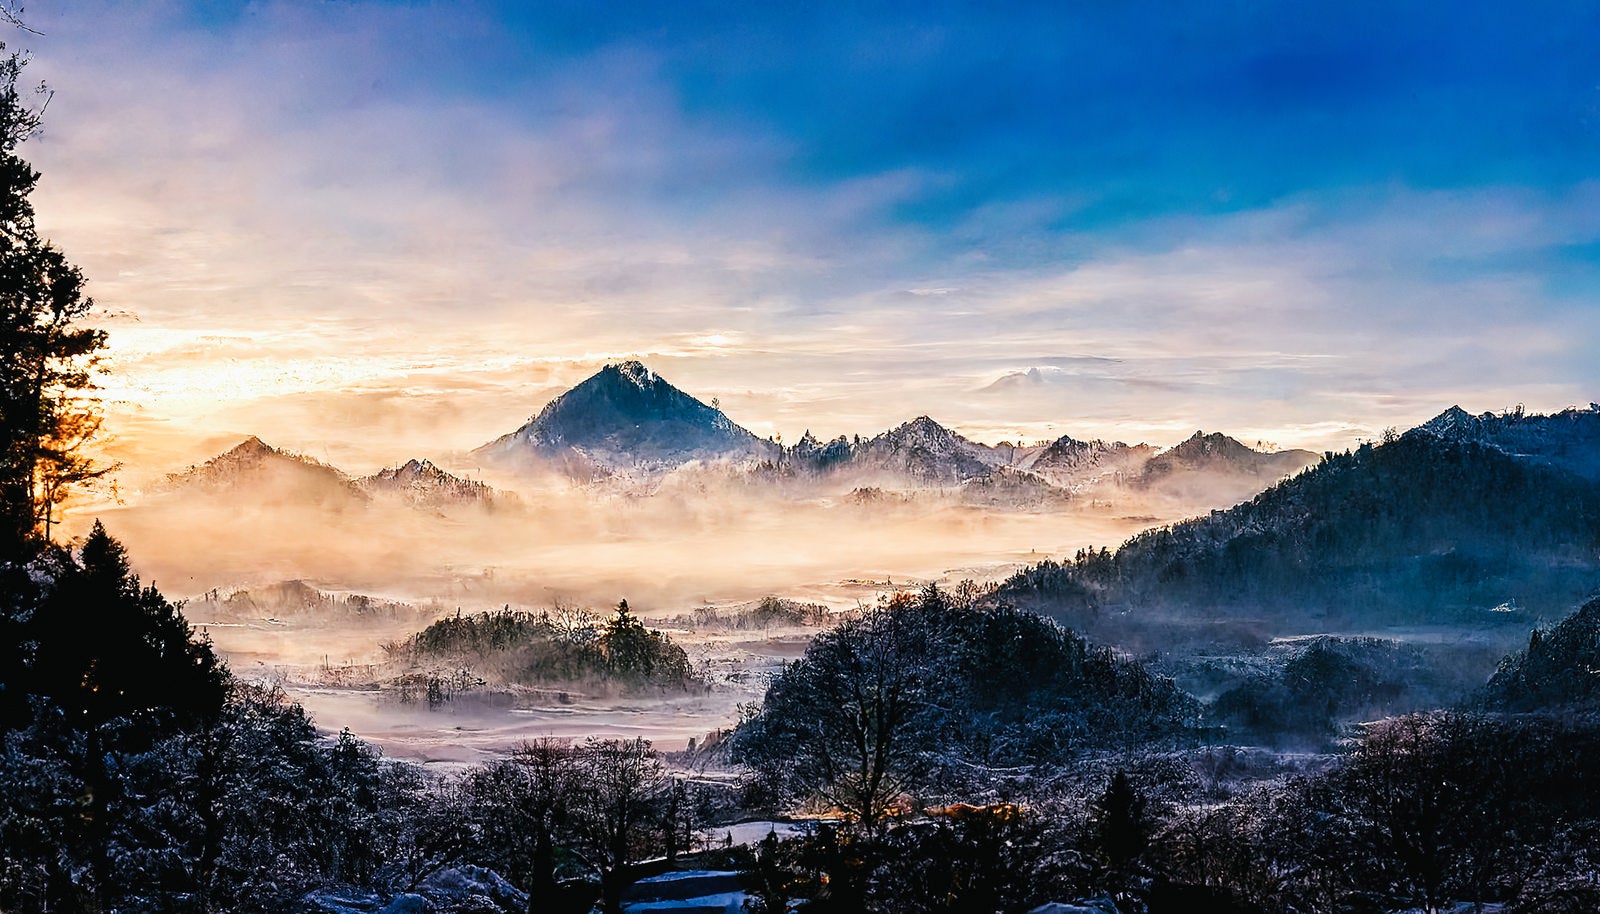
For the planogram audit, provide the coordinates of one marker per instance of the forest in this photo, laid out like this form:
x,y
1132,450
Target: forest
x,y
939,757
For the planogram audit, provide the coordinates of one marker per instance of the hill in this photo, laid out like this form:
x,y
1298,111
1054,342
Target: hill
x,y
920,693
1559,669
1424,528
1568,440
266,474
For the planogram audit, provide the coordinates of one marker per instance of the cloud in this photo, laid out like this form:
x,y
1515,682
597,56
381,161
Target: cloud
x,y
374,229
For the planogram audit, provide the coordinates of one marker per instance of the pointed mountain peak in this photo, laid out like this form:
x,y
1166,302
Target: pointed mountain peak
x,y
625,416
253,465
1453,421
1215,444
423,482
925,431
632,372
924,424
413,468
253,449
250,447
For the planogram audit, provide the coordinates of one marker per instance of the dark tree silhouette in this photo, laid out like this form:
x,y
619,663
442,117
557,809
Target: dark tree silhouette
x,y
621,780
46,359
1119,824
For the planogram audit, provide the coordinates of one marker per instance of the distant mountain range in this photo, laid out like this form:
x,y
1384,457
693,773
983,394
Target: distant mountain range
x,y
626,419
1454,520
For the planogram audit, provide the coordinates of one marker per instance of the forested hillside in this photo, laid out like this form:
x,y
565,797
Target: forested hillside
x,y
1419,529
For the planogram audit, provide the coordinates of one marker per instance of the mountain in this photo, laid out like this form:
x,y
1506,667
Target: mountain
x,y
419,482
1217,453
1421,529
1031,379
927,452
624,417
259,473
267,475
1568,440
1069,462
915,454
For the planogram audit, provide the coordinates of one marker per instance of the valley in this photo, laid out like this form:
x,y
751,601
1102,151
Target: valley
x,y
626,488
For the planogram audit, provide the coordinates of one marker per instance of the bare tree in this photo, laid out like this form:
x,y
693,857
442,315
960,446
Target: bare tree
x,y
841,723
613,825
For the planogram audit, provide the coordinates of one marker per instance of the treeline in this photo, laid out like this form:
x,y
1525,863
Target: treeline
x,y
572,647
297,598
768,612
1418,529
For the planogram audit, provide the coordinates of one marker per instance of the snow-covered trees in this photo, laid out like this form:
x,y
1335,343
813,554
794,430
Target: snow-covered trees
x,y
552,811
101,672
521,808
922,693
845,721
613,825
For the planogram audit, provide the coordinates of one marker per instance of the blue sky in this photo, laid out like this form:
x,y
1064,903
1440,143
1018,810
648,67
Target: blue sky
x,y
1297,223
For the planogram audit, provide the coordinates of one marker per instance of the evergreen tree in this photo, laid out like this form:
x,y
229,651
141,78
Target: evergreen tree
x,y
46,359
1119,825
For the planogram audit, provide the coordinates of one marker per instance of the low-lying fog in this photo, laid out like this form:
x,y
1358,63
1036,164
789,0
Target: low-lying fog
x,y
667,554
658,551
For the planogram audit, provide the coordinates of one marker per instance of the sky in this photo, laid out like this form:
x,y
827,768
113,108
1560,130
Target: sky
x,y
372,231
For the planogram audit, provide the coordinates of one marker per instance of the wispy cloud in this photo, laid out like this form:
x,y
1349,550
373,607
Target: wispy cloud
x,y
362,227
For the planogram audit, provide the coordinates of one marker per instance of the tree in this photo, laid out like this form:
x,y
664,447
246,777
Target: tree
x,y
1405,802
46,359
842,722
1119,825
520,807
621,780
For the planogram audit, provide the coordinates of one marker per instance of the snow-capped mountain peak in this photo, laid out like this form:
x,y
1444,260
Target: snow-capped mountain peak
x,y
625,417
